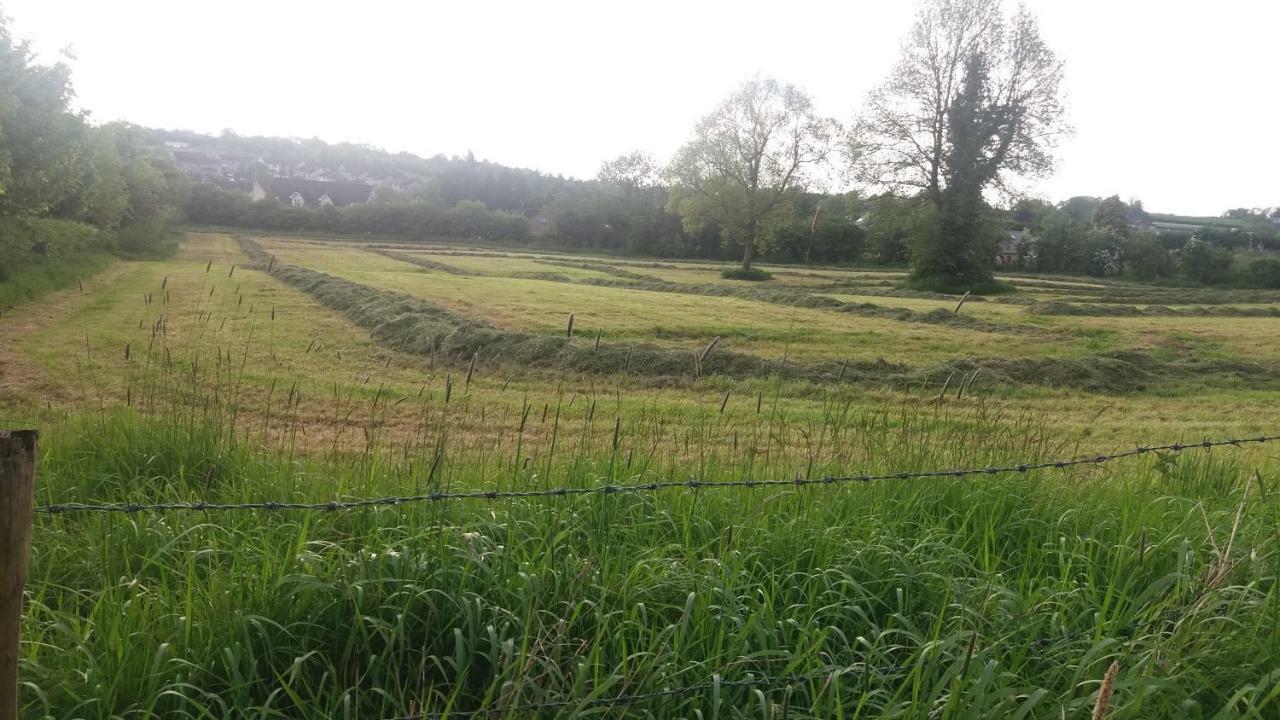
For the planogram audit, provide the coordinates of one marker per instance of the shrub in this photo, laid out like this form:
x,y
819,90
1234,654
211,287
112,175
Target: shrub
x,y
24,239
1265,272
737,273
949,286
1203,263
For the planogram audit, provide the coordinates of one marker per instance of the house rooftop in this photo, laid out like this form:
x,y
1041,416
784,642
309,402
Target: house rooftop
x,y
340,193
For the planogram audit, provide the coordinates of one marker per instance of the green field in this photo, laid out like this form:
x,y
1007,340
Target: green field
x,y
286,369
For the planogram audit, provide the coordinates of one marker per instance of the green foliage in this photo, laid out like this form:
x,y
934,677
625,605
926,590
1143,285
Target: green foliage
x,y
945,285
626,213
1112,214
26,239
54,166
1080,209
891,223
747,160
958,255
468,220
1145,258
835,240
1203,263
28,281
745,274
1265,272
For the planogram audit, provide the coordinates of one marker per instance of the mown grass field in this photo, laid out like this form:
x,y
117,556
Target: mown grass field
x,y
234,373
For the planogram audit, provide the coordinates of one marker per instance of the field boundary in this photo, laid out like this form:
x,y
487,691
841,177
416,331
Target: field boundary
x,y
690,484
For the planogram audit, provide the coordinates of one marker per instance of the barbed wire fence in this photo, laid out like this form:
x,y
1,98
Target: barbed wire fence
x,y
692,484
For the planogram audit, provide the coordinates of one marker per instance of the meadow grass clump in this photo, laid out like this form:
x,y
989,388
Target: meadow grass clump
x,y
33,279
944,285
753,274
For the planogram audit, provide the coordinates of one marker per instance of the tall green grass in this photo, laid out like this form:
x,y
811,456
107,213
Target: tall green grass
x,y
988,598
31,280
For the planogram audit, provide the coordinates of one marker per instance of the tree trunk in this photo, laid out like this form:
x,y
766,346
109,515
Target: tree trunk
x,y
749,247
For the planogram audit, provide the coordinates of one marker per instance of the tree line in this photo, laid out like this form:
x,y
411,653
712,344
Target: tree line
x,y
973,105
972,108
1107,237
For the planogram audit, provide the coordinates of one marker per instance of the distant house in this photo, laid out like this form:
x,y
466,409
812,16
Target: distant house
x,y
201,167
1009,252
1161,226
302,192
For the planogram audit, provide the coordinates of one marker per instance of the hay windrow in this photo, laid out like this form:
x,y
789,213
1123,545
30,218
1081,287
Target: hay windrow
x,y
418,327
599,267
805,299
423,262
1102,310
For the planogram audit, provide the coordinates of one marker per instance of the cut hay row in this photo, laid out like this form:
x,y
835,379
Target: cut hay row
x,y
599,267
806,299
418,327
1101,310
422,262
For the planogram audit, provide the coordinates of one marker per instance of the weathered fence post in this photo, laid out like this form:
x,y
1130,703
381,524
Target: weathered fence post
x,y
17,497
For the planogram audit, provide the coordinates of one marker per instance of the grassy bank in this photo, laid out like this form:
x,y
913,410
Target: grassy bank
x,y
31,280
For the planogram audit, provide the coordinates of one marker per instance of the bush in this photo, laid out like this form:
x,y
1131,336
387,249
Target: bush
x,y
24,239
1265,272
738,273
43,275
1204,263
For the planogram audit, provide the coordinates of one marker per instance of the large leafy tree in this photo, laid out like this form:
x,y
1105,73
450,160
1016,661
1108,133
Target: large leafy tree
x,y
963,62
747,160
40,139
1112,214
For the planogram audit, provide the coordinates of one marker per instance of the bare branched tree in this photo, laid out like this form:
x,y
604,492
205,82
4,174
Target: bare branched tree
x,y
901,139
748,158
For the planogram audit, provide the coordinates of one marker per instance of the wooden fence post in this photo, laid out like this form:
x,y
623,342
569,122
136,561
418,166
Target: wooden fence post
x,y
17,498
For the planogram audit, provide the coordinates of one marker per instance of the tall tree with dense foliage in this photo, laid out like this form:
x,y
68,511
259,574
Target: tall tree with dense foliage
x,y
68,187
1112,214
747,159
904,139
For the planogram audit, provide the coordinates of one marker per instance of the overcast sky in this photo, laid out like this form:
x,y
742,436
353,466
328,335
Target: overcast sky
x,y
1174,101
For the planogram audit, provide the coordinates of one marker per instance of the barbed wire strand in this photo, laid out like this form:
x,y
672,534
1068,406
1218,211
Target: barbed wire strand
x,y
690,484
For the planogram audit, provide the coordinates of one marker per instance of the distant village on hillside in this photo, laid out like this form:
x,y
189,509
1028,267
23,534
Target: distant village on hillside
x,y
284,173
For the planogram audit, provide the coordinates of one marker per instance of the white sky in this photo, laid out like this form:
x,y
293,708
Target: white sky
x,y
1174,101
